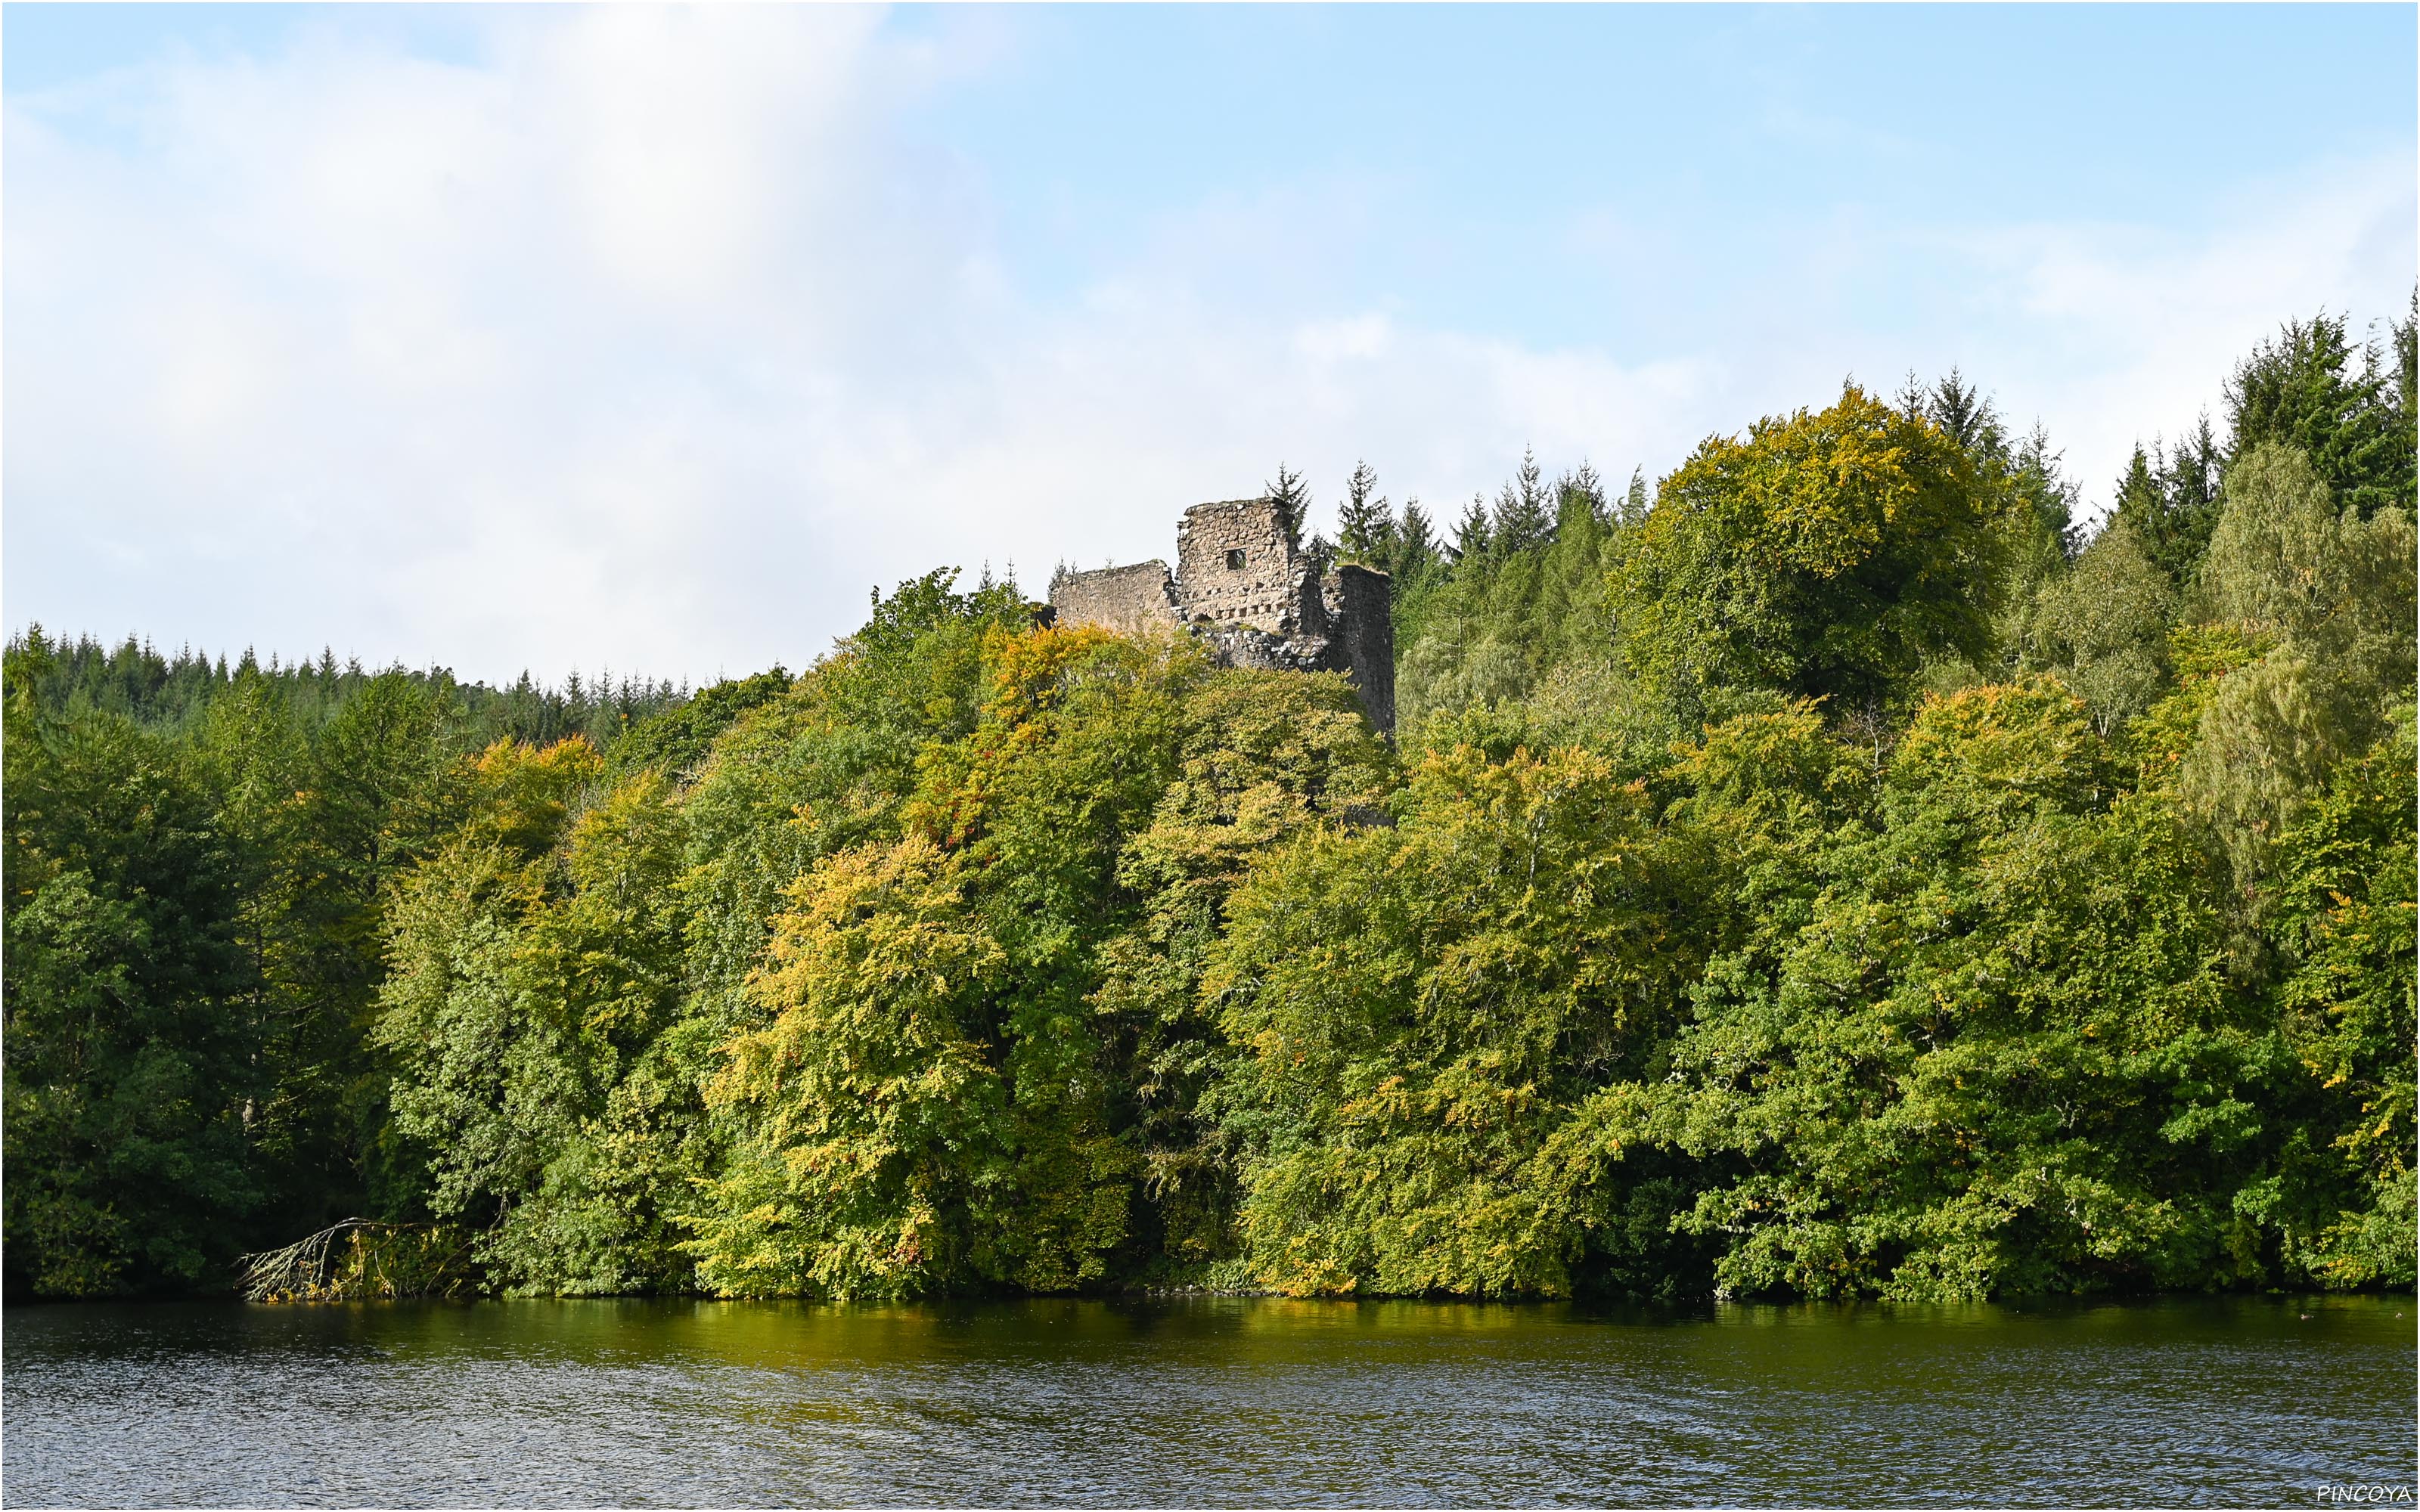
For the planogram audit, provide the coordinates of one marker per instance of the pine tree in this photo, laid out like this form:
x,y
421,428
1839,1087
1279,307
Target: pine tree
x,y
1579,500
2051,497
1416,554
2404,382
1293,498
1365,526
2302,390
2140,501
1584,480
2170,500
1971,420
2191,476
1525,519
1470,533
1635,502
1914,399
1321,553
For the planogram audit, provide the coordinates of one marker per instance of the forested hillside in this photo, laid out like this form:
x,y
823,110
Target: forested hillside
x,y
1828,870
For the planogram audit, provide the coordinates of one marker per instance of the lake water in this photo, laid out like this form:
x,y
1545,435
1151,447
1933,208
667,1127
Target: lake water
x,y
1223,1401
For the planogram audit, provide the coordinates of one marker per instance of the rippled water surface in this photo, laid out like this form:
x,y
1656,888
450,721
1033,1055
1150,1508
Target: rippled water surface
x,y
1219,1401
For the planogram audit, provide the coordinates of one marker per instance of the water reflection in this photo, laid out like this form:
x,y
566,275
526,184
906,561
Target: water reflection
x,y
1215,1400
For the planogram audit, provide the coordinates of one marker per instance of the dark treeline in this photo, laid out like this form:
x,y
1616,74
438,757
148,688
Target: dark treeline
x,y
172,694
1829,871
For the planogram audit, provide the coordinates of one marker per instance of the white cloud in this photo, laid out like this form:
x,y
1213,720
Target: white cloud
x,y
2127,334
650,339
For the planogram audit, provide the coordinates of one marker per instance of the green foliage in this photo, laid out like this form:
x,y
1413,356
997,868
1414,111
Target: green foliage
x,y
1522,607
2343,1197
567,971
1981,1044
1830,554
534,963
130,1024
876,1121
1293,498
2168,501
2102,627
676,739
2302,389
1261,759
172,694
1832,879
1420,1006
2328,596
1365,525
2038,525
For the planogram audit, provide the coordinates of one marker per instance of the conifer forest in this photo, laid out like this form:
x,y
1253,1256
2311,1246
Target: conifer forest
x,y
1842,867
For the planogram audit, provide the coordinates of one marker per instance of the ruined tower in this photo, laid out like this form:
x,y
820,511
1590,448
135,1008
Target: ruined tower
x,y
1237,564
1243,584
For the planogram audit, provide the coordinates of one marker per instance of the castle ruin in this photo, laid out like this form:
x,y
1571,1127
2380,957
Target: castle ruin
x,y
1243,584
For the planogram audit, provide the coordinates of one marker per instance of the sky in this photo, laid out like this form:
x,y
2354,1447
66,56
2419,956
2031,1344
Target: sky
x,y
651,340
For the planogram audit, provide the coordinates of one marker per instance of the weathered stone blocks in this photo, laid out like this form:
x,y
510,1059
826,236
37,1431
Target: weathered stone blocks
x,y
1124,599
1236,564
1243,584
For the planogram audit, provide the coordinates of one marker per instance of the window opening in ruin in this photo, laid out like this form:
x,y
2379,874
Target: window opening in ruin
x,y
1236,561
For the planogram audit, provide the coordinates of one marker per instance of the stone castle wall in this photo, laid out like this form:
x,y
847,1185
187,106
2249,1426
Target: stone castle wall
x,y
1364,628
1236,564
1125,599
1241,584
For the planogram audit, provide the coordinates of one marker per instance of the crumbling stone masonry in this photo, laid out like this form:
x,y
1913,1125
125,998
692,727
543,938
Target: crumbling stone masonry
x,y
1242,584
1124,599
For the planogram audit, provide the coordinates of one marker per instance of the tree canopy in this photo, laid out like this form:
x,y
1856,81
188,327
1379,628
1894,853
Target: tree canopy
x,y
1832,872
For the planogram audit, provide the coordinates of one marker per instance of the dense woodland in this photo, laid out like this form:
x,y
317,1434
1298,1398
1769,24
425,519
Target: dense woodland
x,y
1829,871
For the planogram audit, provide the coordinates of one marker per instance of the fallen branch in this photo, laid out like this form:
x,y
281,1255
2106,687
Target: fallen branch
x,y
368,1262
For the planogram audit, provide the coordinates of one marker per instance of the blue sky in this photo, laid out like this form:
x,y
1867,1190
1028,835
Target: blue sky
x,y
544,337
